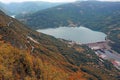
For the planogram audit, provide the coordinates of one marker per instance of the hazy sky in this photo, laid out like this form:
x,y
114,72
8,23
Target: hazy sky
x,y
8,1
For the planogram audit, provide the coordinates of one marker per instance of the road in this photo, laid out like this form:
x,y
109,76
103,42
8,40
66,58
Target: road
x,y
10,23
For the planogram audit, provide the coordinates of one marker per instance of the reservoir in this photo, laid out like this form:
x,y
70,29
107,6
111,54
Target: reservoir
x,y
78,34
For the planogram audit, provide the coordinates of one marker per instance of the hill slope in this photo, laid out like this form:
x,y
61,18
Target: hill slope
x,y
28,55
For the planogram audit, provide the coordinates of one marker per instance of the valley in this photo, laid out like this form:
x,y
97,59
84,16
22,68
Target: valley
x,y
95,15
29,55
47,45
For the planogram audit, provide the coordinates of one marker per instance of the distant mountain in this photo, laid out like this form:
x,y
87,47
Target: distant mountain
x,y
28,55
89,13
100,16
2,7
28,7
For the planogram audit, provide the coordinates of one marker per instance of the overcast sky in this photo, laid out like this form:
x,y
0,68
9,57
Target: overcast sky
x,y
9,1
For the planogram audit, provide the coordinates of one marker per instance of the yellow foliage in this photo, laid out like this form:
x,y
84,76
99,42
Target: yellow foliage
x,y
5,74
18,64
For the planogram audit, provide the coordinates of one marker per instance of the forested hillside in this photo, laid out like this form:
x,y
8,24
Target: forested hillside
x,y
28,55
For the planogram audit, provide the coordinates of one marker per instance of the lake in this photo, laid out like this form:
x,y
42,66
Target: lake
x,y
78,34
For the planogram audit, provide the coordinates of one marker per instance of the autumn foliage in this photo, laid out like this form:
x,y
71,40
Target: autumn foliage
x,y
18,64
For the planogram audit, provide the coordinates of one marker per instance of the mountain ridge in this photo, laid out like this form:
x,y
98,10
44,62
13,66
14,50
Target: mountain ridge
x,y
17,8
